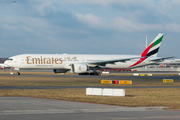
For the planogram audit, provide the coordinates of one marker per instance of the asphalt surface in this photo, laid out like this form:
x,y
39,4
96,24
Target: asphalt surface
x,y
25,108
177,77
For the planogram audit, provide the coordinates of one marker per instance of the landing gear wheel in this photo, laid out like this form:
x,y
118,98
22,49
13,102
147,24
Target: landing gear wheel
x,y
18,73
91,73
95,73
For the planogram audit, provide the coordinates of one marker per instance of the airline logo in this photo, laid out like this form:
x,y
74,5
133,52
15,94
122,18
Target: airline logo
x,y
48,60
41,60
80,68
151,50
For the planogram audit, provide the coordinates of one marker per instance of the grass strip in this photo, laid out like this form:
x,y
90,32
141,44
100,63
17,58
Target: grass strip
x,y
72,81
134,97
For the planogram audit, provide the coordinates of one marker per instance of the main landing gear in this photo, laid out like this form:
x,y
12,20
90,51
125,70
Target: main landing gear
x,y
90,73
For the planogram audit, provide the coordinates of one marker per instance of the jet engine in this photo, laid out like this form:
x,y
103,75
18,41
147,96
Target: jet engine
x,y
79,68
60,70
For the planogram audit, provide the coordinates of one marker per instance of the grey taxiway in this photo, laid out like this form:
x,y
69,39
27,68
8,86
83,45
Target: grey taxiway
x,y
24,108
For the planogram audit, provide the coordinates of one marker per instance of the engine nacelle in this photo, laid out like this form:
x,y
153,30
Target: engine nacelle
x,y
60,70
79,68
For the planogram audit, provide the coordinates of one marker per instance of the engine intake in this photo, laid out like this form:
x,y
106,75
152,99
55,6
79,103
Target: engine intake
x,y
60,70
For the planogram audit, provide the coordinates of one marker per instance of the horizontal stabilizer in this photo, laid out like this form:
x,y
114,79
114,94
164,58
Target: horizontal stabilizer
x,y
161,58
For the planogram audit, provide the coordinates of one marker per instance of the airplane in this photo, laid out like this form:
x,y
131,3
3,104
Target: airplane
x,y
82,64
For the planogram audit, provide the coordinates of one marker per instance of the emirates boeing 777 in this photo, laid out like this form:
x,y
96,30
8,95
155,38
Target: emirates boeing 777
x,y
83,63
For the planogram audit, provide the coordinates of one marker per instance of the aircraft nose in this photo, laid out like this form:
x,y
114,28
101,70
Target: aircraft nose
x,y
6,63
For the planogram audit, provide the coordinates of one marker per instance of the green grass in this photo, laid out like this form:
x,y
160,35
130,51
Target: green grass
x,y
134,97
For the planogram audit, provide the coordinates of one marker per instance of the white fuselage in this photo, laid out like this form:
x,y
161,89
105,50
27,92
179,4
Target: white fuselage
x,y
64,61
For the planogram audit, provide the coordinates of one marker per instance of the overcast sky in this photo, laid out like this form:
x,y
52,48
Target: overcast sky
x,y
88,26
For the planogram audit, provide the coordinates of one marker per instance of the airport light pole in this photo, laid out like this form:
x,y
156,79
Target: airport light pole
x,y
146,39
146,47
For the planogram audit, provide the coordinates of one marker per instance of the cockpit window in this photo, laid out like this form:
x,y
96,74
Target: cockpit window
x,y
10,59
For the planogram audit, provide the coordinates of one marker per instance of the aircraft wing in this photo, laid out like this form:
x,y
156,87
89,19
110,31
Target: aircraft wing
x,y
104,62
161,58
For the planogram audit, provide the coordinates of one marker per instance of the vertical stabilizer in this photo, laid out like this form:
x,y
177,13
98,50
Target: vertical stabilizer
x,y
153,48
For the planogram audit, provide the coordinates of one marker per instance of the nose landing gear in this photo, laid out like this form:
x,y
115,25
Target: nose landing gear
x,y
18,73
